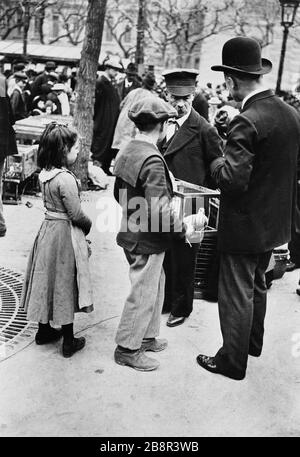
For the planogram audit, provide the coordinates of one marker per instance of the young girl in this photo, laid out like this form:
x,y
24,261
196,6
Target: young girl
x,y
57,281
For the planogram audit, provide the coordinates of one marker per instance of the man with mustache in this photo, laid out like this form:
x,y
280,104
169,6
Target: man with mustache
x,y
190,146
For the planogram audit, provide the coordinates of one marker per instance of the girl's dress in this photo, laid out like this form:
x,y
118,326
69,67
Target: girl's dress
x,y
57,281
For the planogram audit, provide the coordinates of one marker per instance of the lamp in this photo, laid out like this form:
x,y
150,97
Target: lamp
x,y
288,13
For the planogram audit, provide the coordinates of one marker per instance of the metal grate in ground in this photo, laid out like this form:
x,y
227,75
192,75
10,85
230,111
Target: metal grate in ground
x,y
15,331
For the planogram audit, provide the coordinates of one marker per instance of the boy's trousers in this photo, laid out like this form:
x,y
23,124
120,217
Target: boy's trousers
x,y
141,314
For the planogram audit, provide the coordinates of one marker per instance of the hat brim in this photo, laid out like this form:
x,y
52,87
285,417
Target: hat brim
x,y
181,91
266,67
113,67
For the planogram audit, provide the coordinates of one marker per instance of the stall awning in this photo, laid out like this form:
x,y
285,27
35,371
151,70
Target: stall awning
x,y
43,52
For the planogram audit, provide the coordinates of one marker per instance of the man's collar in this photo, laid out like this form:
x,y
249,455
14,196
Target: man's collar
x,y
182,119
251,94
145,138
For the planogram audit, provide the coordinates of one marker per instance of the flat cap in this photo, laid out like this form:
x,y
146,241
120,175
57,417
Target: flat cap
x,y
19,66
21,75
50,65
151,110
180,81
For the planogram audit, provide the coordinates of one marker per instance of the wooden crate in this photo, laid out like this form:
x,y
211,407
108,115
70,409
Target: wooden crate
x,y
18,168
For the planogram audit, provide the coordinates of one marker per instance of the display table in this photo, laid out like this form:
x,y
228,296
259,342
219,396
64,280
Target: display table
x,y
31,128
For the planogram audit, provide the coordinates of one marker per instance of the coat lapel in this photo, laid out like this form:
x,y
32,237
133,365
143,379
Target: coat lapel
x,y
184,135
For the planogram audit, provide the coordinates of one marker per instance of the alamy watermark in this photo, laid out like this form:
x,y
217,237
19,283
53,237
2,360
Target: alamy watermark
x,y
144,214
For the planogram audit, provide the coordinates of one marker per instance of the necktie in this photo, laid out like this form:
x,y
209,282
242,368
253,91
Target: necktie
x,y
172,128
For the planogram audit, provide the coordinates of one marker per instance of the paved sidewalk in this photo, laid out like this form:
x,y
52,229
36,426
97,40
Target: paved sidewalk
x,y
43,394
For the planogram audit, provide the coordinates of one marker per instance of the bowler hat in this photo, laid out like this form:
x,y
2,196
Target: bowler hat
x,y
151,110
131,69
181,81
243,55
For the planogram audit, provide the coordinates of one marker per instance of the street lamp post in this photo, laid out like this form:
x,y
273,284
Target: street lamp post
x,y
288,13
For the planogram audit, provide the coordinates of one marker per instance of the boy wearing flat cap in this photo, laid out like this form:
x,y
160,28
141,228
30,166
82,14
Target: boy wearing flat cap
x,y
191,145
257,178
144,189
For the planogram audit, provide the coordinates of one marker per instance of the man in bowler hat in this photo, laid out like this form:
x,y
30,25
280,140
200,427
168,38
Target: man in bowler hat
x,y
257,178
130,82
189,148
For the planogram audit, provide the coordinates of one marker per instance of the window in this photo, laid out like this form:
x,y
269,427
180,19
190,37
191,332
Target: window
x,y
55,25
127,36
108,34
36,25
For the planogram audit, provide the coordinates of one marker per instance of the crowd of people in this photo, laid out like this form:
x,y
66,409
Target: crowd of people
x,y
32,93
240,138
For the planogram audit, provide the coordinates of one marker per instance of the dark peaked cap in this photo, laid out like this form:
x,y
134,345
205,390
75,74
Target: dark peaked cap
x,y
181,81
151,110
243,55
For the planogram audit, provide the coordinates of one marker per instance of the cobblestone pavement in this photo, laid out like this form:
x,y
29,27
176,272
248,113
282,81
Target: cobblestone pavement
x,y
43,394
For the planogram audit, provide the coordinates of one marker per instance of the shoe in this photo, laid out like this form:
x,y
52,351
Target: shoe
x,y
2,233
137,360
154,344
254,354
209,364
48,337
69,349
174,321
298,291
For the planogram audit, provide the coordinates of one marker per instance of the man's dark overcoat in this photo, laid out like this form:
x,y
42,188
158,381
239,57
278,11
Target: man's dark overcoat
x,y
8,145
188,155
192,149
18,105
106,113
259,176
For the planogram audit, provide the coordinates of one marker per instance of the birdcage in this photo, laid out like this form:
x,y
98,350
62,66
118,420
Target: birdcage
x,y
188,199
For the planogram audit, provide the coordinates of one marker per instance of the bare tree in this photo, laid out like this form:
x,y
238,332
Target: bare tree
x,y
174,25
84,109
256,19
121,19
72,20
17,14
10,17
